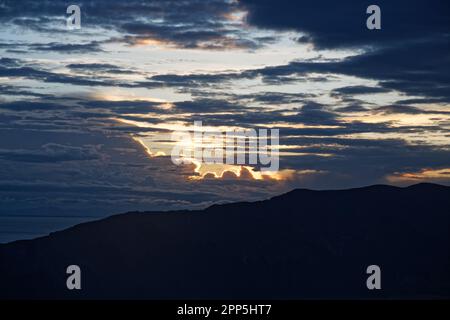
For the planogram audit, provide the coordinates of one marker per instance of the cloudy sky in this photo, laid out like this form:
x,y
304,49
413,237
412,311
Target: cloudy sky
x,y
86,115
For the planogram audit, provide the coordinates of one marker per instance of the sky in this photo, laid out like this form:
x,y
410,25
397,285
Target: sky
x,y
86,115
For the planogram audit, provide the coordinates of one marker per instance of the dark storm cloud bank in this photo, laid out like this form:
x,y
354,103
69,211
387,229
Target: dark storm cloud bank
x,y
342,24
410,53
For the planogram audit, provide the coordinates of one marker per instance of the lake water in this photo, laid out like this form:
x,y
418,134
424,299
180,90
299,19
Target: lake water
x,y
28,227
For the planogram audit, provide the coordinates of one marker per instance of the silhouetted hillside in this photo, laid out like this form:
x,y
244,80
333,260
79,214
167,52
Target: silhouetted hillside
x,y
303,244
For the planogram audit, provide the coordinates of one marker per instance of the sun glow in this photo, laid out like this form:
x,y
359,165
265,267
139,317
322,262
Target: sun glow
x,y
215,171
227,171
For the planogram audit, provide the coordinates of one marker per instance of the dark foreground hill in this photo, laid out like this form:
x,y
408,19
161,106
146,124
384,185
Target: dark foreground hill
x,y
303,244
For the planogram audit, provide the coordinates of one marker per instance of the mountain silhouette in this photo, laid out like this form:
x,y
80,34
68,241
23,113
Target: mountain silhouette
x,y
303,244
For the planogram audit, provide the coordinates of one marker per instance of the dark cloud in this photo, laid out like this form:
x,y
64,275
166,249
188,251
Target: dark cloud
x,y
93,46
366,158
51,152
207,105
405,109
181,36
60,47
351,108
312,113
194,80
124,106
28,106
10,62
20,91
99,67
34,73
187,24
277,97
397,68
333,24
354,90
422,100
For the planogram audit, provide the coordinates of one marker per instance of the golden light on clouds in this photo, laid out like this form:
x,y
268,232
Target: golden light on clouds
x,y
214,170
148,41
422,175
396,120
147,149
226,171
